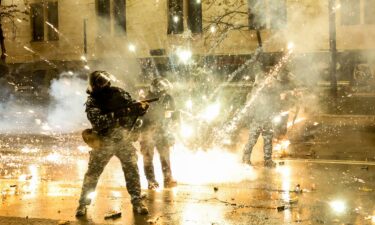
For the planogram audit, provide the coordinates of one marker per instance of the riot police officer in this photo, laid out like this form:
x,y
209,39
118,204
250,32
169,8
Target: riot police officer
x,y
265,106
112,113
156,134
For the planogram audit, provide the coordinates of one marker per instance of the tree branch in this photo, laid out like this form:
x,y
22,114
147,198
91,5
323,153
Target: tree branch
x,y
10,12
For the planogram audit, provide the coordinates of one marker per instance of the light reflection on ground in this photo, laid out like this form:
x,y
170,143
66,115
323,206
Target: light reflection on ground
x,y
213,190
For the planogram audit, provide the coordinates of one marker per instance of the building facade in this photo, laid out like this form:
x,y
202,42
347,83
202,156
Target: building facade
x,y
74,31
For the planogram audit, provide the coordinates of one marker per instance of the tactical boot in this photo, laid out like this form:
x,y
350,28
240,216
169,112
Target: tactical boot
x,y
152,185
140,208
168,183
246,159
269,163
81,211
247,162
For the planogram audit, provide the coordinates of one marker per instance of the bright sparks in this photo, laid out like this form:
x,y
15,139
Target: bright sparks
x,y
284,171
282,145
29,150
176,19
91,195
186,130
46,127
276,119
184,55
290,45
211,112
212,166
83,148
212,29
53,157
189,104
338,206
131,47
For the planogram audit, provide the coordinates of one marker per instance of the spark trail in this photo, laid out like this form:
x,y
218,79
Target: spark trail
x,y
232,125
40,56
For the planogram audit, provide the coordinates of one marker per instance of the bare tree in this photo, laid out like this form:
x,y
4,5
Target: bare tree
x,y
11,13
224,16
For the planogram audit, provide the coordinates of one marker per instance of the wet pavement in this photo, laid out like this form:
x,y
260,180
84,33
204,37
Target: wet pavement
x,y
41,176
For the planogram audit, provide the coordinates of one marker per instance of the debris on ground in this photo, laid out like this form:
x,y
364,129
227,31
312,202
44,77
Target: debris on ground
x,y
153,220
366,189
282,163
216,189
293,200
112,215
320,221
359,180
372,218
298,189
364,168
281,208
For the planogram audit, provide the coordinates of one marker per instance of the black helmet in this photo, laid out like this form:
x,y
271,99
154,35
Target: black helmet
x,y
159,85
98,80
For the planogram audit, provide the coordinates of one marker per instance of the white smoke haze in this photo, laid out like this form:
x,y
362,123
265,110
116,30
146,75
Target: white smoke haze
x,y
19,118
66,112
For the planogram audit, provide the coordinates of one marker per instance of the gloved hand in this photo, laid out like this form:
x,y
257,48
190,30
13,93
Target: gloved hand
x,y
142,108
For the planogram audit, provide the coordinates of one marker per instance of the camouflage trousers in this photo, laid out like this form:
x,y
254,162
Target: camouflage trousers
x,y
255,129
100,157
160,141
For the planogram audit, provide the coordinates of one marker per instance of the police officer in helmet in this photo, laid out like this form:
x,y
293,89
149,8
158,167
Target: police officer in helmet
x,y
112,113
156,133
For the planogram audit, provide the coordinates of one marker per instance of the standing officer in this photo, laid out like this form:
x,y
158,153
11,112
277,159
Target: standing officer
x,y
156,133
112,113
264,108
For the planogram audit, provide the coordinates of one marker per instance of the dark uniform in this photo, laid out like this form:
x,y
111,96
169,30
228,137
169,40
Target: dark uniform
x,y
265,107
156,134
112,126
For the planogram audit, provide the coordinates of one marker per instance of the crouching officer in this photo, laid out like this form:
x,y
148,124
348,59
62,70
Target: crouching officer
x,y
155,133
112,113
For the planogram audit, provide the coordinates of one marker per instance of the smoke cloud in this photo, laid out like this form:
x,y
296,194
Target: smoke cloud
x,y
67,111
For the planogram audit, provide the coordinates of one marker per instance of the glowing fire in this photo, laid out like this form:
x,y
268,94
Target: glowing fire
x,y
205,167
281,145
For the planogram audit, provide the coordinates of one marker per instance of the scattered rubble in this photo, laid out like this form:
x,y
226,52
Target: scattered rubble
x,y
112,215
365,189
364,168
281,208
298,189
